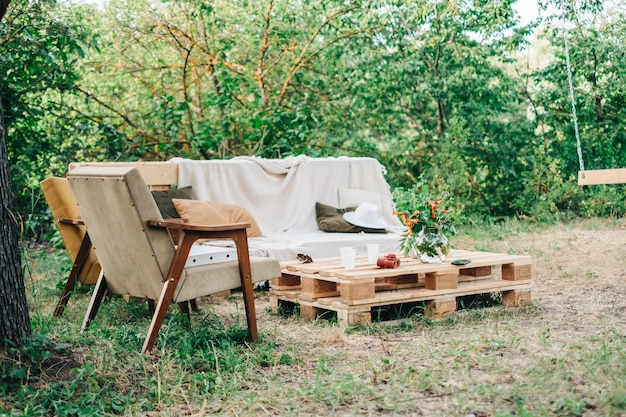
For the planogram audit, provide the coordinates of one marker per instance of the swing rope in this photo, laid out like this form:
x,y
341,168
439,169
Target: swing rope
x,y
571,94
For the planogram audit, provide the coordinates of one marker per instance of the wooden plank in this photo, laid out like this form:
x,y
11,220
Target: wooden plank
x,y
476,272
312,289
418,294
351,315
435,281
285,282
441,307
479,259
403,279
352,294
472,278
368,286
516,298
470,288
312,267
438,303
602,176
513,272
155,174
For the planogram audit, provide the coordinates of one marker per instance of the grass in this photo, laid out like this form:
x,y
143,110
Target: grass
x,y
563,356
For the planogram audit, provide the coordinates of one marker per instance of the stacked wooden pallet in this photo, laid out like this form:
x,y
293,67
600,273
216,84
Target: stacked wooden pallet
x,y
324,285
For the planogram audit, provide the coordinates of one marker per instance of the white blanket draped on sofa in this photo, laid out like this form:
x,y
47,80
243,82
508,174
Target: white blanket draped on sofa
x,y
281,195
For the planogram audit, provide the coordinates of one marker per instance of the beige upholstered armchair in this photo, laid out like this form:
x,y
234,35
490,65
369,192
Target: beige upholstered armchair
x,y
139,258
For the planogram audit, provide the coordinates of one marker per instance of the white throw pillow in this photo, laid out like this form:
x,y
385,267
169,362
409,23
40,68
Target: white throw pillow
x,y
353,197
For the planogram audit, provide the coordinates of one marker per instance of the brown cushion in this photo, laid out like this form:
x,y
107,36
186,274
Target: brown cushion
x,y
330,219
212,212
163,199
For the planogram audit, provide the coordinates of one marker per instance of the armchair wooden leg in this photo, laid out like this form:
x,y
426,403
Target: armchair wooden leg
x,y
167,293
68,289
94,304
157,319
184,310
77,267
245,275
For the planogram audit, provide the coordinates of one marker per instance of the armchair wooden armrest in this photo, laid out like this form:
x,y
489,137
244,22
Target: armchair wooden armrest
x,y
175,226
184,225
77,222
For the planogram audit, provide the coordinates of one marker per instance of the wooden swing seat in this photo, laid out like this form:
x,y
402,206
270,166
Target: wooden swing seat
x,y
602,176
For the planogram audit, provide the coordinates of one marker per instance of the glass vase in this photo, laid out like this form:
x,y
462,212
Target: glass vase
x,y
430,246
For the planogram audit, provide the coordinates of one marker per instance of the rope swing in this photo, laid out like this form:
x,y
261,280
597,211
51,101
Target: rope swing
x,y
571,95
593,177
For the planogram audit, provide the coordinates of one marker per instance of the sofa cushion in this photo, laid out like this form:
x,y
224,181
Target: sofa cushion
x,y
330,219
212,212
163,199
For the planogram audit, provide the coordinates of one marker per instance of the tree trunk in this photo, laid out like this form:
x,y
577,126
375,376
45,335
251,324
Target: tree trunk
x,y
14,319
3,7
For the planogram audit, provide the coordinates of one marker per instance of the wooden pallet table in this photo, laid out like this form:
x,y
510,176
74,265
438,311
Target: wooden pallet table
x,y
325,285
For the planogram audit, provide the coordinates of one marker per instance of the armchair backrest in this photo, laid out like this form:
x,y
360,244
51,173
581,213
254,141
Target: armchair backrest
x,y
62,204
116,203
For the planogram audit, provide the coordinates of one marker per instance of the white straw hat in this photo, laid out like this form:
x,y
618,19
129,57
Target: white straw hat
x,y
366,215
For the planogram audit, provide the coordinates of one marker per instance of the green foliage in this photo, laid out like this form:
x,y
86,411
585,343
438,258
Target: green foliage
x,y
432,90
39,49
109,377
437,102
594,42
426,210
225,78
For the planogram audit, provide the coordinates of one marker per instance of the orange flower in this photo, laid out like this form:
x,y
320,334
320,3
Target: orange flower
x,y
433,205
408,221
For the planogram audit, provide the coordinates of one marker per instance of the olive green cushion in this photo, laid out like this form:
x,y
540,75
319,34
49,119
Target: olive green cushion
x,y
163,199
330,219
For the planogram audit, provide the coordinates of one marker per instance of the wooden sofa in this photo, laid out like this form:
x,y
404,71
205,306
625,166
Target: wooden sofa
x,y
281,196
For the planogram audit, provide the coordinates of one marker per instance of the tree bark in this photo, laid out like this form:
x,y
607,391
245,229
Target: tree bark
x,y
3,7
14,318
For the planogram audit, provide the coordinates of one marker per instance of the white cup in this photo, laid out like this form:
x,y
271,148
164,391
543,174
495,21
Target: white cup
x,y
348,255
372,252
